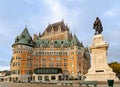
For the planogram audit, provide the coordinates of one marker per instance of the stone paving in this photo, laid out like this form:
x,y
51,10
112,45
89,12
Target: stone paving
x,y
10,84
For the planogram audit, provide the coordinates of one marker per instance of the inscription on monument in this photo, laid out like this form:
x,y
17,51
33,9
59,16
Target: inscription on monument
x,y
99,70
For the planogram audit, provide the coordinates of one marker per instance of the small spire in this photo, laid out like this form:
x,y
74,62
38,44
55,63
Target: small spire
x,y
71,34
39,34
74,33
48,23
66,25
25,26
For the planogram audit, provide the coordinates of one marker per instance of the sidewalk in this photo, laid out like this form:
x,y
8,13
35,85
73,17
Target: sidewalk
x,y
99,85
11,84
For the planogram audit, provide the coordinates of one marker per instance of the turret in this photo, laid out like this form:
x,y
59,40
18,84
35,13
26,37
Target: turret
x,y
21,62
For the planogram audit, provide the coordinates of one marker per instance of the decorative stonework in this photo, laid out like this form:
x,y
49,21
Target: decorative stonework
x,y
99,70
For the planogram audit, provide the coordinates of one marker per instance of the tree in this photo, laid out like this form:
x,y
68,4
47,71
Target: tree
x,y
116,68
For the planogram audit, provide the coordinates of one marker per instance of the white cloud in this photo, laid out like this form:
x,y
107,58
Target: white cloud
x,y
29,1
114,12
109,13
4,68
76,0
58,11
55,11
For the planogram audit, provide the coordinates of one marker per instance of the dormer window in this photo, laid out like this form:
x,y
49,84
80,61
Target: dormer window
x,y
55,41
29,41
17,39
62,42
23,36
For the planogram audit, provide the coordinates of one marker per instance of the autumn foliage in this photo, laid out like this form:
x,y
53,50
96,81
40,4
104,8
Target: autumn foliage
x,y
116,68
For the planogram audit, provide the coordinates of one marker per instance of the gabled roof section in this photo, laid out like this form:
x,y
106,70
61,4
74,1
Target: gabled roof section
x,y
24,38
55,27
75,41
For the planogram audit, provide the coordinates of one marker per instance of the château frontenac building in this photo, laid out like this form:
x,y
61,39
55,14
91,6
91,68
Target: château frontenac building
x,y
56,47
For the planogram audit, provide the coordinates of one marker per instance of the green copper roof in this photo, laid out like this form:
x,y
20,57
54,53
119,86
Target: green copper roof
x,y
26,34
24,38
59,43
55,43
75,41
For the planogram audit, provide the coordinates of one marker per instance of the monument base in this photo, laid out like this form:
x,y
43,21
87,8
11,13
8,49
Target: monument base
x,y
99,70
100,75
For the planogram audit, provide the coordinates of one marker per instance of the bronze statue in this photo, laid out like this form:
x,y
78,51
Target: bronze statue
x,y
98,26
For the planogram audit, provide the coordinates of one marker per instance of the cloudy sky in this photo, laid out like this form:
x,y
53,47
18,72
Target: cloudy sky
x,y
79,15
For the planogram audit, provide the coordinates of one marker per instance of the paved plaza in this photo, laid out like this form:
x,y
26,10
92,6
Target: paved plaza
x,y
11,84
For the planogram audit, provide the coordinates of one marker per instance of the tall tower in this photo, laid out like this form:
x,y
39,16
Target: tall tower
x,y
21,62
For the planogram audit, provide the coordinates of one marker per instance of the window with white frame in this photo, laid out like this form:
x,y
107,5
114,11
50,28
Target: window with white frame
x,y
51,59
58,59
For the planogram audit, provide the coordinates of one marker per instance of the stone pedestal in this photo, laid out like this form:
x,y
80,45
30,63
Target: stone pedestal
x,y
99,70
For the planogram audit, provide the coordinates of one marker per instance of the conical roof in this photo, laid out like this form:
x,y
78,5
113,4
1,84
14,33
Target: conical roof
x,y
24,38
26,34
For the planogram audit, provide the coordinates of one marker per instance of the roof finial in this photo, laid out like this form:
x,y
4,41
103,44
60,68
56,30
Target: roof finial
x,y
39,34
25,26
48,23
74,33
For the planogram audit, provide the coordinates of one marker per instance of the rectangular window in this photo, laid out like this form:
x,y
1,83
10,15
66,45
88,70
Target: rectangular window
x,y
51,59
64,64
65,58
39,77
51,64
17,57
18,71
36,53
46,78
58,59
13,64
57,53
60,53
37,64
53,71
58,64
13,71
28,71
44,59
44,64
29,64
18,64
65,53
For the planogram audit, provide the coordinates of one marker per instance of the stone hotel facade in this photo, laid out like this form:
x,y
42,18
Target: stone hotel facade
x,y
56,47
